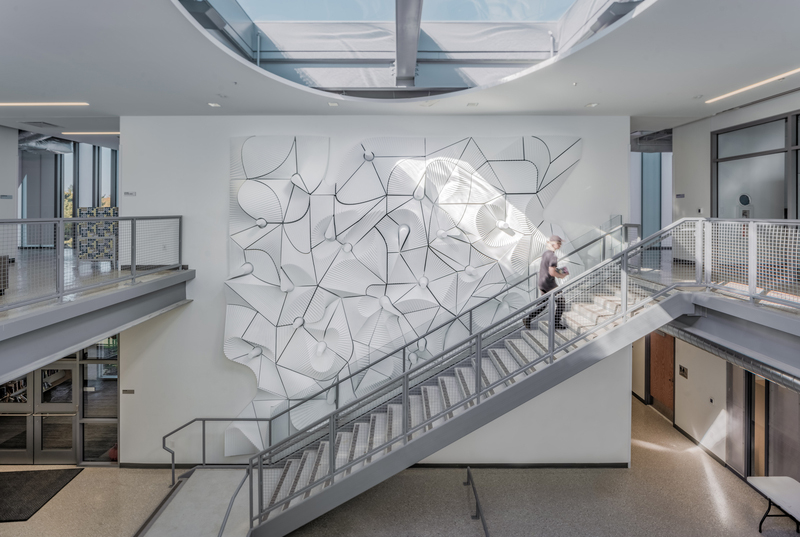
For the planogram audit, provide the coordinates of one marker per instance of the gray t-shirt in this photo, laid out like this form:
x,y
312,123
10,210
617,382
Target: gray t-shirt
x,y
547,282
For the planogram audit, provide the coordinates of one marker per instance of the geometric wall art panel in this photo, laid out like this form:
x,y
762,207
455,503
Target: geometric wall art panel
x,y
331,269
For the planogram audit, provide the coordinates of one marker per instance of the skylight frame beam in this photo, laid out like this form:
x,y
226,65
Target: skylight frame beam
x,y
408,19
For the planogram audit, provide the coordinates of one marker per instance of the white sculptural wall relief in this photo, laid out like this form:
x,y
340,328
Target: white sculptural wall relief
x,y
330,269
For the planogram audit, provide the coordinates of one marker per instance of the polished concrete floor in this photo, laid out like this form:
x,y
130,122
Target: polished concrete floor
x,y
99,502
673,488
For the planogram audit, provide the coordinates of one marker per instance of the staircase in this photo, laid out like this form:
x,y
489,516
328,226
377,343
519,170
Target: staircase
x,y
501,366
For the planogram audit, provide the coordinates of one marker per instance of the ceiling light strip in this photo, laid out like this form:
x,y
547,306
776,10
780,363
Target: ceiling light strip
x,y
44,104
751,86
87,133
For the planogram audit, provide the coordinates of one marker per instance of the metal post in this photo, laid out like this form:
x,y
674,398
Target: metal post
x,y
406,408
552,44
551,332
478,366
204,442
250,486
698,251
260,484
752,259
404,359
258,49
133,249
603,255
60,259
336,400
470,322
623,283
707,250
332,444
180,243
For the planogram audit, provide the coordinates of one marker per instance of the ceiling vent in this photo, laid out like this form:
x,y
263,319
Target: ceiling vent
x,y
41,124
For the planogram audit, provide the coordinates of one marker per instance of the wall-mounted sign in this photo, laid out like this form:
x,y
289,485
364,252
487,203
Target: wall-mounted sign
x,y
6,197
680,196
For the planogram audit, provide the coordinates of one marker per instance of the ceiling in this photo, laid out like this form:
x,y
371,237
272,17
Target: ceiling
x,y
148,58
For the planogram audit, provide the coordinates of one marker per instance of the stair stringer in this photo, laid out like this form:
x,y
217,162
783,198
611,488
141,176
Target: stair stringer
x,y
476,416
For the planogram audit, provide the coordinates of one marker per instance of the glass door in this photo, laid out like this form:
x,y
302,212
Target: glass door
x,y
16,421
55,413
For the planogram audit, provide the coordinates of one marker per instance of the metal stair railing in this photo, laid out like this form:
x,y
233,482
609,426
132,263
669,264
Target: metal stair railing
x,y
411,350
607,238
690,253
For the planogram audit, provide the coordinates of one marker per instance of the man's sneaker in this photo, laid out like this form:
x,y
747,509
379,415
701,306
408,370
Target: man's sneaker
x,y
527,322
562,326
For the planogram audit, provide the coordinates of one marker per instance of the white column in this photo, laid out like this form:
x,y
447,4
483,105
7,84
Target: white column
x,y
9,171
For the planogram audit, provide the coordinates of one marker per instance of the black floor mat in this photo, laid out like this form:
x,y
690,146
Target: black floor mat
x,y
24,493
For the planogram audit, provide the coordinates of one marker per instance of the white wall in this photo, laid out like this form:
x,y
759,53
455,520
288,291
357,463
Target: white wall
x,y
180,165
9,171
666,189
700,400
586,419
691,146
635,195
637,384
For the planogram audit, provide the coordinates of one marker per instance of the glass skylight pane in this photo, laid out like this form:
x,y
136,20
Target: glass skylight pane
x,y
494,10
319,10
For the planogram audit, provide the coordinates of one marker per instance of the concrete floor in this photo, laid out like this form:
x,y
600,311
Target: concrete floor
x,y
672,488
107,502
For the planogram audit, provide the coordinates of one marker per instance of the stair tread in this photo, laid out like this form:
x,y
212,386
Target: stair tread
x,y
510,363
522,350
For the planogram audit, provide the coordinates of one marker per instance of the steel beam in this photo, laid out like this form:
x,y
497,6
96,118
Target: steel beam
x,y
408,17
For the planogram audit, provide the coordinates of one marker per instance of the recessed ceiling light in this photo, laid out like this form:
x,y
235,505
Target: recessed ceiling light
x,y
87,133
574,83
751,86
214,105
591,105
44,104
472,104
333,104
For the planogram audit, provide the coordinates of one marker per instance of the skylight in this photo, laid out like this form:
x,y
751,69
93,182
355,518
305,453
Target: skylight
x,y
319,10
495,10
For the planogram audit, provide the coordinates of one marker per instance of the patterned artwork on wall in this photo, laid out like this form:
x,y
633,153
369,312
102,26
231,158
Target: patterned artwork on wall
x,y
330,269
97,241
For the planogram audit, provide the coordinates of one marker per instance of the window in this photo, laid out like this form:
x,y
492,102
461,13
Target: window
x,y
755,169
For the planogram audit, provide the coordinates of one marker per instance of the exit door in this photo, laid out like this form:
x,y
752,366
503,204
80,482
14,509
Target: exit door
x,y
39,417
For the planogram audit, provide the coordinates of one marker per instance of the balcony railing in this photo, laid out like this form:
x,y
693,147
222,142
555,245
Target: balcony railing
x,y
54,259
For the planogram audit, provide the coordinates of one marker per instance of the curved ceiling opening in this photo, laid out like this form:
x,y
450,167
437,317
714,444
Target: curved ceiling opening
x,y
398,49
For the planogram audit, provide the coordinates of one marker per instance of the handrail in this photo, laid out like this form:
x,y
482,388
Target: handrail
x,y
538,301
60,230
439,327
233,499
603,235
478,510
203,420
84,219
703,258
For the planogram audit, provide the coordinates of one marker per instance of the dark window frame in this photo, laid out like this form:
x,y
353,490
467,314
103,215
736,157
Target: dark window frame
x,y
791,149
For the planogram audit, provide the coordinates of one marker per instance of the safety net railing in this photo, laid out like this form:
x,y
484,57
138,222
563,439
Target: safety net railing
x,y
756,260
48,259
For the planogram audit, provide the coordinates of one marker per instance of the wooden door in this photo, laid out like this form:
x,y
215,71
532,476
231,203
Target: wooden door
x,y
662,373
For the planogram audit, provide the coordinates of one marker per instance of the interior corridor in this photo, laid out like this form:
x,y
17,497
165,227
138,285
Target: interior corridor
x,y
672,488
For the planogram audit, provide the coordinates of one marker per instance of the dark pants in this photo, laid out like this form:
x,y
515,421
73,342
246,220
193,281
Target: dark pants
x,y
560,306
